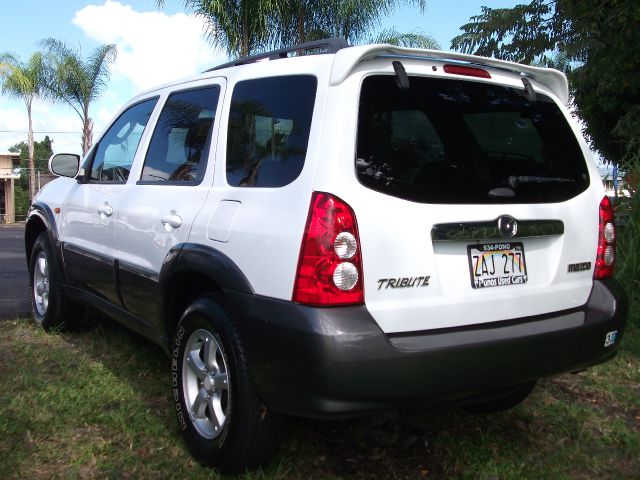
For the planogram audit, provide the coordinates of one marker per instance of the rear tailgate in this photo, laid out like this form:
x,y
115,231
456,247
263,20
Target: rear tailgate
x,y
475,201
413,282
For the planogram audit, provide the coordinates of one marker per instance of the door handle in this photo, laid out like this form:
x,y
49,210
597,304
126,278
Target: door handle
x,y
172,220
106,210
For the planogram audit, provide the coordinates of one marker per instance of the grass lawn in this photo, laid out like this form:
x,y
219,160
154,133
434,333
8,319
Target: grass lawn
x,y
97,404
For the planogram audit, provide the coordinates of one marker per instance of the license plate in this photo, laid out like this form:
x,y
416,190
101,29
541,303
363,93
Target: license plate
x,y
497,264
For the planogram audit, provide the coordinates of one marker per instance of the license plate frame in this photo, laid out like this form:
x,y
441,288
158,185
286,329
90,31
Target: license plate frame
x,y
497,264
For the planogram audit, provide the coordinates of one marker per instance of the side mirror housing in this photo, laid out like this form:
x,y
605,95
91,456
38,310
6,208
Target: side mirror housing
x,y
64,164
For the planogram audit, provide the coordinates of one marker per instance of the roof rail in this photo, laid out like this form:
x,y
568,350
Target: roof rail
x,y
317,47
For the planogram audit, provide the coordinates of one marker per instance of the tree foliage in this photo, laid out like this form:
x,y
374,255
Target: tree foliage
x,y
42,153
415,39
298,21
595,43
25,81
76,81
240,27
246,27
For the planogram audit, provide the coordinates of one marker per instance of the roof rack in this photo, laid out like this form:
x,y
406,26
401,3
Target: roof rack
x,y
317,47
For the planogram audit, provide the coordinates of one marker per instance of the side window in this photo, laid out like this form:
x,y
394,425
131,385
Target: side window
x,y
113,156
180,143
268,131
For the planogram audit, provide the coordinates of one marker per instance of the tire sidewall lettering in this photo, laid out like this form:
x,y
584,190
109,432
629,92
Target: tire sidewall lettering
x,y
184,330
175,378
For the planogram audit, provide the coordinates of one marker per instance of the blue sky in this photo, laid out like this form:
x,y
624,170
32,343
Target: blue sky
x,y
155,46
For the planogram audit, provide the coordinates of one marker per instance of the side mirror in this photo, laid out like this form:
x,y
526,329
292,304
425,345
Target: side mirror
x,y
64,164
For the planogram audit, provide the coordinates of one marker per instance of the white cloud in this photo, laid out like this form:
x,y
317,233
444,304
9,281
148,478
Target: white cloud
x,y
62,125
153,48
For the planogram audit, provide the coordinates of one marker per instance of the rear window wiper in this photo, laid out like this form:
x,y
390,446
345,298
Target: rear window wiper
x,y
514,181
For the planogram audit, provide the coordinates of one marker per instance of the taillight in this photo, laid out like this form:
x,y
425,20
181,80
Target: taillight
x,y
467,71
330,264
606,257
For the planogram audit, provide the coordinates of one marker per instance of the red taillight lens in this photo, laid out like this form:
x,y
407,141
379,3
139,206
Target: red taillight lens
x,y
468,71
606,257
330,264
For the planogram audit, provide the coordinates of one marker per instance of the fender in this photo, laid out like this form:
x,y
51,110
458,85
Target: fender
x,y
181,277
43,213
206,260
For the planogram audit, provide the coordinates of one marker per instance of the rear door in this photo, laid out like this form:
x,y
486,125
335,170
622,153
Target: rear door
x,y
158,211
475,203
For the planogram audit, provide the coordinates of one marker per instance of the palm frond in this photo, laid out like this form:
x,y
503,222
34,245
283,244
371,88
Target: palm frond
x,y
415,39
98,69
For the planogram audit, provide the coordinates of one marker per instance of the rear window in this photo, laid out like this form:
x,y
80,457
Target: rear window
x,y
269,126
457,141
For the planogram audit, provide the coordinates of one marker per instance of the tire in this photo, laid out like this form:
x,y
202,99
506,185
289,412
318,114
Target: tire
x,y
224,423
50,306
514,397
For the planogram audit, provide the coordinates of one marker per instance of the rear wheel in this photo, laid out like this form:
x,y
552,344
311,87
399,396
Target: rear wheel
x,y
50,306
223,422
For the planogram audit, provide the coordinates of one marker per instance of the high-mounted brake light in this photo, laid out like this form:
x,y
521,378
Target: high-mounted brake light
x,y
606,256
468,71
330,265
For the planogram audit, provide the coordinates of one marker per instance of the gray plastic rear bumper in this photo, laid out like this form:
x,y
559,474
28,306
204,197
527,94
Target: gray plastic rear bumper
x,y
321,362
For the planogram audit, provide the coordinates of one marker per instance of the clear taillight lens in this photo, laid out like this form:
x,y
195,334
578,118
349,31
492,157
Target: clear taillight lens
x,y
330,265
606,256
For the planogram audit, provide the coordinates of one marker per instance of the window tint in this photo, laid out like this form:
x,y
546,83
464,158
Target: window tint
x,y
456,141
269,127
179,146
113,156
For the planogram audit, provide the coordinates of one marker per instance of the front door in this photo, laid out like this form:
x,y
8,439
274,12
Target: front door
x,y
88,217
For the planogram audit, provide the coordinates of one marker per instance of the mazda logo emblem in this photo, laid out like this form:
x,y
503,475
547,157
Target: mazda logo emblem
x,y
508,226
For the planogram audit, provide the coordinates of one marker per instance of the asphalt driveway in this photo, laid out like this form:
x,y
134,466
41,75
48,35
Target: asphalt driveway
x,y
14,278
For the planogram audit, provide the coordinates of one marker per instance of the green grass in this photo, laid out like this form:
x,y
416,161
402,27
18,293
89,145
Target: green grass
x,y
97,404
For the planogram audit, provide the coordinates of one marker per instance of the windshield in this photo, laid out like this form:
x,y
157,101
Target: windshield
x,y
459,141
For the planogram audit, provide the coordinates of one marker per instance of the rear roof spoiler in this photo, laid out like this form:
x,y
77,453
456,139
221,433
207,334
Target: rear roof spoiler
x,y
346,60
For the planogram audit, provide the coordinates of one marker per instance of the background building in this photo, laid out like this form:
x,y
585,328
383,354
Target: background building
x,y
9,173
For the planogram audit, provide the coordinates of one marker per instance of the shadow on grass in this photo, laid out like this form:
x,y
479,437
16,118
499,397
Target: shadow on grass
x,y
381,445
97,402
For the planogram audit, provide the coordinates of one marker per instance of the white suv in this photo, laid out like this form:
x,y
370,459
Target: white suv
x,y
326,234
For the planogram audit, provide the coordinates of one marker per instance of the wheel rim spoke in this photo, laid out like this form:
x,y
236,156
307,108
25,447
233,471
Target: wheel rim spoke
x,y
216,414
198,409
209,352
42,266
220,381
45,301
196,365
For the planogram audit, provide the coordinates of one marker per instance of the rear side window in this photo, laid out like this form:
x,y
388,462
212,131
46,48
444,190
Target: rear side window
x,y
180,143
457,141
269,126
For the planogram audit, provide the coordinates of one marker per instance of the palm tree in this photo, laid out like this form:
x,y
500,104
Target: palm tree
x,y
78,82
240,27
415,39
298,21
355,19
24,81
245,27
